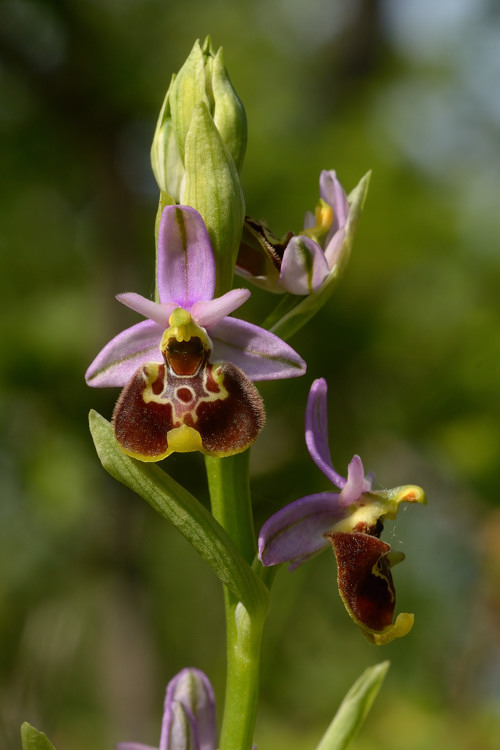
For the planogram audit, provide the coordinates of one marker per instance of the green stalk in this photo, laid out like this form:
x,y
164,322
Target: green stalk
x,y
244,639
228,484
231,502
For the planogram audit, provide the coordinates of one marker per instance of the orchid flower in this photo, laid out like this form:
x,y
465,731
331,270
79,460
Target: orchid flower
x,y
188,715
187,370
351,520
298,263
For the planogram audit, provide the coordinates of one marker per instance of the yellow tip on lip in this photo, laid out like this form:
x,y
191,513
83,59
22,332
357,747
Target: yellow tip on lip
x,y
184,439
400,628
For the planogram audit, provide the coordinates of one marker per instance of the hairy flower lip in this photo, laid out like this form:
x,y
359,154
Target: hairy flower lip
x,y
186,279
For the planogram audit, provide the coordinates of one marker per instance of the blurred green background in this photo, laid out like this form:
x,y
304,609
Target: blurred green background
x,y
100,601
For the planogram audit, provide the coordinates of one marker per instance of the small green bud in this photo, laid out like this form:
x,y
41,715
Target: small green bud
x,y
202,78
229,114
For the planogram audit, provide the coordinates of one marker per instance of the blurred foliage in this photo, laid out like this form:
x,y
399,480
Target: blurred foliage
x,y
100,602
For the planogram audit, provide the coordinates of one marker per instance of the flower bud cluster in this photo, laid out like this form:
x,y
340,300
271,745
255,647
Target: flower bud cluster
x,y
198,150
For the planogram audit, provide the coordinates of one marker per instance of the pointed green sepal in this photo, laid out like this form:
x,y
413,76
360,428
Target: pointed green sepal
x,y
354,708
186,513
289,316
166,160
229,113
33,739
212,187
186,93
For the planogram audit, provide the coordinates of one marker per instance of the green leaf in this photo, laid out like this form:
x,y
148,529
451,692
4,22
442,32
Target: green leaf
x,y
32,739
185,512
354,708
283,321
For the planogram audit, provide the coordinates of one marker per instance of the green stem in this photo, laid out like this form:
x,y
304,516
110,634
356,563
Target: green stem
x,y
231,506
244,639
231,502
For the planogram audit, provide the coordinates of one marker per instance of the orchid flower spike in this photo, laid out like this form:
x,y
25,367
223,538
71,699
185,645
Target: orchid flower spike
x,y
188,715
187,369
351,520
298,263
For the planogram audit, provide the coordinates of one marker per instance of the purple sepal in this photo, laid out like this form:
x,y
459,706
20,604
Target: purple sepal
x,y
186,266
295,533
259,353
304,266
188,715
124,354
192,688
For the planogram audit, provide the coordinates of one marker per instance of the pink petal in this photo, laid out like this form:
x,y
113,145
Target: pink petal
x,y
304,266
124,354
317,432
355,485
208,313
186,266
333,247
309,220
332,192
160,313
260,354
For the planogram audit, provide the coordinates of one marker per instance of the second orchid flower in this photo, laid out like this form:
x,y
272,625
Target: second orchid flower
x,y
351,520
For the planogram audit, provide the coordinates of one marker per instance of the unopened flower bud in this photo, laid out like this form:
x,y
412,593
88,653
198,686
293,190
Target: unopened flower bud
x,y
198,148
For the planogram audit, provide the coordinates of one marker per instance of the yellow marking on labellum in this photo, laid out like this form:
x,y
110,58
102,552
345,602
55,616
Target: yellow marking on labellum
x,y
150,373
378,572
216,411
207,397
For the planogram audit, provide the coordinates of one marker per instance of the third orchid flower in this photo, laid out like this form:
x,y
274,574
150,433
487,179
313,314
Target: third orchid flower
x,y
351,520
299,263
